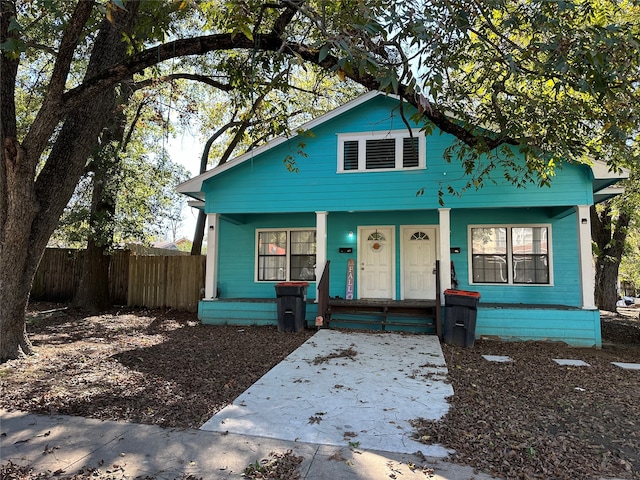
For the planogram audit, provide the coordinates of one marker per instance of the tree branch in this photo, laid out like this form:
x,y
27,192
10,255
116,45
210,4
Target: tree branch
x,y
183,76
268,43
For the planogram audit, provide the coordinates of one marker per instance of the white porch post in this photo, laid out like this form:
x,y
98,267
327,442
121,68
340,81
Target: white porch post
x,y
445,250
211,270
321,246
587,275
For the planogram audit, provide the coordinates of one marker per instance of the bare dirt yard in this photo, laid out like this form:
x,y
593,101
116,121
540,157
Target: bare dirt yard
x,y
529,418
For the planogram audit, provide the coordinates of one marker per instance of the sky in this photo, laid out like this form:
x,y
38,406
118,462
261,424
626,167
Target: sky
x,y
186,150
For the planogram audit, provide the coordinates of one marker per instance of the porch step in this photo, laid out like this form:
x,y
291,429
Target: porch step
x,y
419,326
419,315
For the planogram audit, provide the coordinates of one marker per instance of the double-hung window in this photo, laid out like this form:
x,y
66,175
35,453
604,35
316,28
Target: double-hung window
x,y
511,254
285,254
376,151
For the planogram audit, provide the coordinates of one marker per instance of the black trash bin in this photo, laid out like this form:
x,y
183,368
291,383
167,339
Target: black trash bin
x,y
292,306
460,311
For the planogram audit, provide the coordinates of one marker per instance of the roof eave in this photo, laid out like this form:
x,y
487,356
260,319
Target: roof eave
x,y
193,186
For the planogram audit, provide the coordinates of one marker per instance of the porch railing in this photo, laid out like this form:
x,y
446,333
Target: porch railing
x,y
323,292
438,302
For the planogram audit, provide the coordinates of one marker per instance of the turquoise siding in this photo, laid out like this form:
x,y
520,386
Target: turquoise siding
x,y
263,184
222,312
339,226
579,328
237,254
564,249
237,257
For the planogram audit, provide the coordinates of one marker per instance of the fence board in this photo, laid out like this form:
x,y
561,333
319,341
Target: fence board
x,y
119,276
58,275
135,280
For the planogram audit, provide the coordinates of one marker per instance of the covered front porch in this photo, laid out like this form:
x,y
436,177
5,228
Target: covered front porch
x,y
561,310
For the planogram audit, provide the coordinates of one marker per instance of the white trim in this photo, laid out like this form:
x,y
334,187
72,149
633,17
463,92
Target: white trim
x,y
444,221
287,254
587,274
610,191
211,268
601,171
398,135
193,186
509,253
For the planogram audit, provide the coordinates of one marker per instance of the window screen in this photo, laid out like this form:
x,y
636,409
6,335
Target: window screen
x,y
303,255
516,255
286,255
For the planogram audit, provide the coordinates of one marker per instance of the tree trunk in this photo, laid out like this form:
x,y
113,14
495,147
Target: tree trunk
x,y
198,236
31,211
606,294
17,264
17,208
609,234
93,292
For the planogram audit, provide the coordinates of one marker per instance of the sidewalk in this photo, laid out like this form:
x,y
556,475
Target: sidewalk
x,y
62,443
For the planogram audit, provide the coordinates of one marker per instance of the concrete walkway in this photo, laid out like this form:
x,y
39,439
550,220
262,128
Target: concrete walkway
x,y
342,388
342,402
67,444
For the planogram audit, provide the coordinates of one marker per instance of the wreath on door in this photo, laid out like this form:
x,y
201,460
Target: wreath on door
x,y
376,241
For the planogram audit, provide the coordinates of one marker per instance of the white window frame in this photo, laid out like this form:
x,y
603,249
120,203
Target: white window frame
x,y
398,135
509,254
287,255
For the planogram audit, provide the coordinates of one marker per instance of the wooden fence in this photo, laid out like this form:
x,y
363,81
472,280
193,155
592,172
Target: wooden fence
x,y
134,280
174,282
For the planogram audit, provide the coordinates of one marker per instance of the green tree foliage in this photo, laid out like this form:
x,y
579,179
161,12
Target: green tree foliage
x,y
556,78
146,204
630,264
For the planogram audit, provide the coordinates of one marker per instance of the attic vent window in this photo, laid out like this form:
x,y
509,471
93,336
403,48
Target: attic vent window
x,y
381,151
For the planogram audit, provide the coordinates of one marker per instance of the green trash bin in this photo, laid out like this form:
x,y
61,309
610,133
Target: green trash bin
x,y
460,312
292,305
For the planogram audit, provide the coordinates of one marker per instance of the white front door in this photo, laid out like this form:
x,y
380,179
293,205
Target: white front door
x,y
418,262
376,254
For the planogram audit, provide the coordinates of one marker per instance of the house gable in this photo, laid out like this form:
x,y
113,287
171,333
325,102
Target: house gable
x,y
261,182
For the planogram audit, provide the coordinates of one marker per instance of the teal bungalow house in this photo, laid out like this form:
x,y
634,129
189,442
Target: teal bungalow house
x,y
347,219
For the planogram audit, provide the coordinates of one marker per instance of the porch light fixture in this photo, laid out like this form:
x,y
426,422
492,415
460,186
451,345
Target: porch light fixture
x,y
584,221
350,234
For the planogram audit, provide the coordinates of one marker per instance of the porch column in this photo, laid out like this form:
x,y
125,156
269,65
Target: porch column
x,y
211,270
445,250
321,246
587,275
